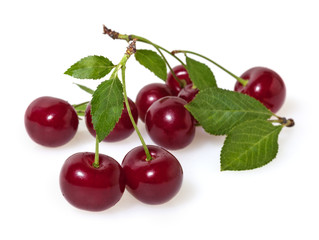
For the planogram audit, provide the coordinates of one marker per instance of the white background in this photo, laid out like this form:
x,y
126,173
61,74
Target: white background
x,y
41,39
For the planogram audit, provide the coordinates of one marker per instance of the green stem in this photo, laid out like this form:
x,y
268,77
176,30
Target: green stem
x,y
122,63
144,40
80,104
159,48
96,162
242,81
147,152
116,35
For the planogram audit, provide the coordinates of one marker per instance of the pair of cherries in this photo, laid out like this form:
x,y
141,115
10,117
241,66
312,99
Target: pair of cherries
x,y
96,189
53,122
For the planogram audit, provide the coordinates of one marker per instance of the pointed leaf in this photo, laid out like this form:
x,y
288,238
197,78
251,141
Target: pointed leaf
x,y
152,61
85,88
200,74
250,145
91,67
107,105
218,110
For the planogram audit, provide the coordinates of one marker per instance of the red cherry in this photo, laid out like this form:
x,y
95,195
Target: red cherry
x,y
123,127
264,85
153,182
149,94
90,188
182,74
169,124
51,121
188,93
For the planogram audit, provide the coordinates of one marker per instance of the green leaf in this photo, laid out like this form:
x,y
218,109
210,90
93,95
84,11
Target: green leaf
x,y
107,105
200,74
152,61
250,145
84,88
91,67
218,110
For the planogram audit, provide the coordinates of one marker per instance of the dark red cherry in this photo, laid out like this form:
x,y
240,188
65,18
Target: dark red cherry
x,y
90,188
123,127
153,182
182,74
169,124
264,85
149,94
51,121
188,93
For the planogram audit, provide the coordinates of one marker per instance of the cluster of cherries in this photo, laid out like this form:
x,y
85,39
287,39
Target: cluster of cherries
x,y
53,122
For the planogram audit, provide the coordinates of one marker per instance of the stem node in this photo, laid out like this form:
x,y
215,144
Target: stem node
x,y
131,49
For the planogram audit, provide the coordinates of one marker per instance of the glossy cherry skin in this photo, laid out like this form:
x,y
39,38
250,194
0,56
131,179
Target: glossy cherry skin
x,y
51,121
90,188
123,127
148,95
182,74
188,93
169,124
153,182
264,85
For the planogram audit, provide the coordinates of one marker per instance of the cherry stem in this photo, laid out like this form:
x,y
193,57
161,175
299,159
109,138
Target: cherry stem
x,y
147,152
96,162
116,35
80,104
159,48
242,81
129,51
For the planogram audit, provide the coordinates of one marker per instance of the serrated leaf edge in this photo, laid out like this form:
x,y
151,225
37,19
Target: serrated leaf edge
x,y
159,76
96,93
70,72
230,134
266,113
213,76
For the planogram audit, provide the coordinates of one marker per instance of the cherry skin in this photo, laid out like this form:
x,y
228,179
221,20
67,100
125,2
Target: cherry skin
x,y
149,94
182,74
188,93
264,85
90,188
169,124
153,182
51,121
123,127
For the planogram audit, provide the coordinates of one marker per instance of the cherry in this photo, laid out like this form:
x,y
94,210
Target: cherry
x,y
51,121
188,92
264,85
90,188
169,124
182,74
149,94
155,181
123,127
